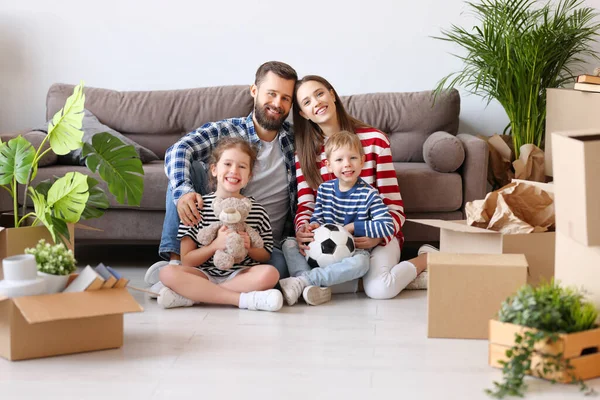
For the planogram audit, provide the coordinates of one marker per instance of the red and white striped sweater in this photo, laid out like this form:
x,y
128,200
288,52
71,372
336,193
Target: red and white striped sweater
x,y
378,171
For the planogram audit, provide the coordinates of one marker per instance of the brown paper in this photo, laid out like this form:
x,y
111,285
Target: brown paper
x,y
499,171
513,209
530,165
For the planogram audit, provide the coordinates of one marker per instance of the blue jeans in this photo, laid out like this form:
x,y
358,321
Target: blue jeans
x,y
347,270
168,240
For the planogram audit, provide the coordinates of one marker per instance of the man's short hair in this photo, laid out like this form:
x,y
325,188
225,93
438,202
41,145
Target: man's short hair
x,y
279,68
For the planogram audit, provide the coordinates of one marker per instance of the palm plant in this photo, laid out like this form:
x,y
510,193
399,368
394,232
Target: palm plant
x,y
519,49
74,196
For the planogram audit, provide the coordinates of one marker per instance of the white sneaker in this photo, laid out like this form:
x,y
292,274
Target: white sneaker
x,y
156,289
292,289
427,248
315,295
151,276
169,299
266,300
420,282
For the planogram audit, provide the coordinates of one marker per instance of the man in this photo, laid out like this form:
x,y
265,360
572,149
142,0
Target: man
x,y
274,180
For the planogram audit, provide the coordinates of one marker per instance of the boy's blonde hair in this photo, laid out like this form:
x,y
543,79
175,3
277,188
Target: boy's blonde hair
x,y
343,139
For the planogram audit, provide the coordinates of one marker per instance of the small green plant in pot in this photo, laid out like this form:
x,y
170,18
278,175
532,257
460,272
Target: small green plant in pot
x,y
553,312
75,195
55,263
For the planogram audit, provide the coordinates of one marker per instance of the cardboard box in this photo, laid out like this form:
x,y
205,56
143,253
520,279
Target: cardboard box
x,y
581,349
577,185
466,290
578,265
458,237
63,323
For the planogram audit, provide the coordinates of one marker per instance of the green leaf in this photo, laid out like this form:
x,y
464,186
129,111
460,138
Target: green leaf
x,y
97,202
16,158
118,164
64,131
43,187
58,229
67,196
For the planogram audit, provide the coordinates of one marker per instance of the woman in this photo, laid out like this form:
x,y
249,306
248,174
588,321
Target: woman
x,y
319,113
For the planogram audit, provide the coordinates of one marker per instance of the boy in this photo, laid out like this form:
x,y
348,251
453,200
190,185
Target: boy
x,y
348,201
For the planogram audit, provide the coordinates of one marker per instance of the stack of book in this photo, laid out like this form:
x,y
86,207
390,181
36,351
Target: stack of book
x,y
588,83
100,277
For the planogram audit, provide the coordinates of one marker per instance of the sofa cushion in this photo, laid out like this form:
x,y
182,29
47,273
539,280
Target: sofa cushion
x,y
155,184
426,190
443,152
36,138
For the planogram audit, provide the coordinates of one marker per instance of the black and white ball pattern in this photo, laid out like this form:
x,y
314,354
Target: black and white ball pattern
x,y
332,244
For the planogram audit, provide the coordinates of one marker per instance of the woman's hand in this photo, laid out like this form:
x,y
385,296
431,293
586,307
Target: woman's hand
x,y
188,206
366,242
304,235
221,239
244,235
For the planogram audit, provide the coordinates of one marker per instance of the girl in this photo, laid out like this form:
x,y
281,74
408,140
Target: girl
x,y
318,114
248,285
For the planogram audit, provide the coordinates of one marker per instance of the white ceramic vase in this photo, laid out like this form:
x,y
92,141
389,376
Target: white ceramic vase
x,y
54,283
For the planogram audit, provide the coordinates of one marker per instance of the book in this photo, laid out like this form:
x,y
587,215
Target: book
x,y
592,79
109,279
121,280
587,87
88,279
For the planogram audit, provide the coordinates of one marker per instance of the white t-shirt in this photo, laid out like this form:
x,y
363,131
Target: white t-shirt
x,y
269,186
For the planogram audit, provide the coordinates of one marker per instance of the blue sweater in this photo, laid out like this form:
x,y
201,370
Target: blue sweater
x,y
361,205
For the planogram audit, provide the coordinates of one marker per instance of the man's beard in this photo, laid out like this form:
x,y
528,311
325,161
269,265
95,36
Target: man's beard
x,y
266,122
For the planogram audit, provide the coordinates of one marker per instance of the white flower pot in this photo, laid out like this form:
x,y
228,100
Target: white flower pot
x,y
54,283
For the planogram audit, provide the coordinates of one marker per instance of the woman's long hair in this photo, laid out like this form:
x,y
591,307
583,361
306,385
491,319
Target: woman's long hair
x,y
309,137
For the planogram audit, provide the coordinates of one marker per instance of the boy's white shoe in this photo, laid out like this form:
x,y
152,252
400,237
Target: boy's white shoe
x,y
427,248
169,299
420,282
266,300
315,295
151,276
292,289
156,289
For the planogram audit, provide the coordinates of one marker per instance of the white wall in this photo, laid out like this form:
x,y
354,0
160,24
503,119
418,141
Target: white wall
x,y
360,46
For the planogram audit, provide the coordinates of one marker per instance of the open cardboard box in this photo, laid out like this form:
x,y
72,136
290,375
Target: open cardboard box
x,y
538,248
63,323
464,291
580,348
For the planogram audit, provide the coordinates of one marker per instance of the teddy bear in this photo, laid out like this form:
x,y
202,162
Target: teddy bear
x,y
231,212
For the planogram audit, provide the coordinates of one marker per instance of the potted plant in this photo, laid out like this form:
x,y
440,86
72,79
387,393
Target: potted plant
x,y
55,263
74,196
548,331
518,50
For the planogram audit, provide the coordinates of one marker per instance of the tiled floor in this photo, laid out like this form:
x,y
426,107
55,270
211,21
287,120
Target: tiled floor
x,y
352,347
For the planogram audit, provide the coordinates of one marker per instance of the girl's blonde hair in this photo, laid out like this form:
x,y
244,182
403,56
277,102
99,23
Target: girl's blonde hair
x,y
230,143
343,139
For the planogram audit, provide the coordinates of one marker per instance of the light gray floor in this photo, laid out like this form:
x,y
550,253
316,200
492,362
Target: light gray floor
x,y
350,348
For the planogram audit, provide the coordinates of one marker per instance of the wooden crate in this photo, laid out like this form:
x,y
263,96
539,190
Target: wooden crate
x,y
581,349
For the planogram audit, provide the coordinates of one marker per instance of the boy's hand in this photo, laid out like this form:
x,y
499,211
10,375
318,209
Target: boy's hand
x,y
246,237
350,228
304,236
365,242
188,206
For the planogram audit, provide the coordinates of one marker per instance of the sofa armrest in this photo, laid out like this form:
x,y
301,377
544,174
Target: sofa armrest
x,y
475,168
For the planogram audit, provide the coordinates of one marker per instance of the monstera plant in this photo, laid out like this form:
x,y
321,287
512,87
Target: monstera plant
x,y
75,195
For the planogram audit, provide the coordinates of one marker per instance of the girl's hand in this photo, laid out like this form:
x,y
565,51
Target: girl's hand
x,y
350,228
366,242
246,237
304,236
221,239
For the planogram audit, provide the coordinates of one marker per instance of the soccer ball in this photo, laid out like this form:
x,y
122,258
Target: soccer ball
x,y
332,244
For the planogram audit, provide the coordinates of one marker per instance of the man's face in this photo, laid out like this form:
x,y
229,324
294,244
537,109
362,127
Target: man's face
x,y
272,101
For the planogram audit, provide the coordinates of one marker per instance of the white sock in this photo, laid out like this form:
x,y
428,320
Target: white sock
x,y
243,301
175,262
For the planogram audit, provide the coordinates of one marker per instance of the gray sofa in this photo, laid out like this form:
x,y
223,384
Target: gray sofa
x,y
156,119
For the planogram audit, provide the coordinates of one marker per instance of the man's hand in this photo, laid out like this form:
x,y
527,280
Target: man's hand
x,y
366,242
304,236
188,206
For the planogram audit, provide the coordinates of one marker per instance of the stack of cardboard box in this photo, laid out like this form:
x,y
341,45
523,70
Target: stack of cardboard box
x,y
576,167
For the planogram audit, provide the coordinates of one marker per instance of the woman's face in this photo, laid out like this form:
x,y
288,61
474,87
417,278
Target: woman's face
x,y
316,102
